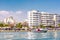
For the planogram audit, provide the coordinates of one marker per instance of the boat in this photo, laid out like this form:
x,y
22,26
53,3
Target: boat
x,y
40,30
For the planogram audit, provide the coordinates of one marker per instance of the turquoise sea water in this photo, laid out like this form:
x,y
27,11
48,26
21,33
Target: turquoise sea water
x,y
29,36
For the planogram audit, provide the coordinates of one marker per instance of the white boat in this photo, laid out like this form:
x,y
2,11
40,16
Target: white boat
x,y
40,30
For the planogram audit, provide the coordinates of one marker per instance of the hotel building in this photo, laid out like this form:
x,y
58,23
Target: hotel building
x,y
33,18
56,19
47,19
36,18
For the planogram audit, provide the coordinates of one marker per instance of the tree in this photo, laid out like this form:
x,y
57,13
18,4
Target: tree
x,y
19,25
1,25
59,24
51,26
6,25
41,26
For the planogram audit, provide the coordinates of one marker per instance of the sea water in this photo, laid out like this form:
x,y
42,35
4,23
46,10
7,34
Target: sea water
x,y
30,35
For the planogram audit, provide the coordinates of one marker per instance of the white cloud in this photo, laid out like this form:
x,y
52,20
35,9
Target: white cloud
x,y
15,14
4,12
19,12
10,12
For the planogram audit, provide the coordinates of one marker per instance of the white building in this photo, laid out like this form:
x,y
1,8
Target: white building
x,y
47,19
36,18
56,19
33,18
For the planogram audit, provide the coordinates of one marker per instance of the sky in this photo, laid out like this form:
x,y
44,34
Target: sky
x,y
19,8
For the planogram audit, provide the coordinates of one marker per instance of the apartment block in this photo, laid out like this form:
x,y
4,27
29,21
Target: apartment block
x,y
46,19
36,18
33,18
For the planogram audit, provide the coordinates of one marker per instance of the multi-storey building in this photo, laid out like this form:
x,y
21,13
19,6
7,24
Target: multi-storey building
x,y
36,18
46,19
33,18
56,19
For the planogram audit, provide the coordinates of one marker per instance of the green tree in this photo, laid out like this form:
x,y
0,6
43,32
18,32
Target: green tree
x,y
1,25
42,26
19,25
59,24
51,26
6,25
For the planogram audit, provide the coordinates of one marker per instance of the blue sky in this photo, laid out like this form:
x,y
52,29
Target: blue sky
x,y
19,8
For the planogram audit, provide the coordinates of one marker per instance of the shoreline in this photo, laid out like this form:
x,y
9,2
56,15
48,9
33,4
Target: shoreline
x,y
25,31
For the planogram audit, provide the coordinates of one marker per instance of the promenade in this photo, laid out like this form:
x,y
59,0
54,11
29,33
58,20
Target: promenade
x,y
24,30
